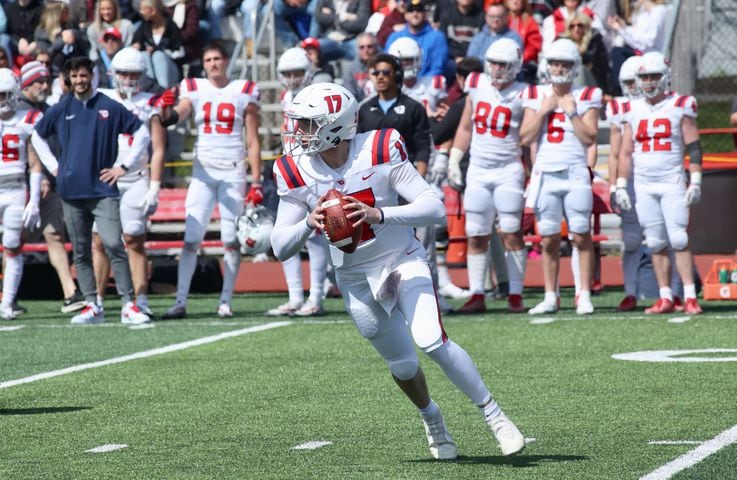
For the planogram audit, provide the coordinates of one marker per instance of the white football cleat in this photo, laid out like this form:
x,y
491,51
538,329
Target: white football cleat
x,y
284,309
310,309
507,434
224,311
442,446
90,315
584,307
455,292
132,315
543,308
6,312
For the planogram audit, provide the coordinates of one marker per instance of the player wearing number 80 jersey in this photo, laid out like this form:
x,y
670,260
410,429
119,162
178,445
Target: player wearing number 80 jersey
x,y
221,109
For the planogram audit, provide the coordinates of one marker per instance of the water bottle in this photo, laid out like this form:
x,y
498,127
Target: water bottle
x,y
723,274
733,275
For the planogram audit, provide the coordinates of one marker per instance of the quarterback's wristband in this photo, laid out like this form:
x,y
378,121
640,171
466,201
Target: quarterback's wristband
x,y
381,220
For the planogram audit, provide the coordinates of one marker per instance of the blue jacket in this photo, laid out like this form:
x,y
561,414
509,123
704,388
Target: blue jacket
x,y
483,40
88,136
434,47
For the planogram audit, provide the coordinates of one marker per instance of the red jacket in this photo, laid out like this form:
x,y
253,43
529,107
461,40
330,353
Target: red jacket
x,y
529,30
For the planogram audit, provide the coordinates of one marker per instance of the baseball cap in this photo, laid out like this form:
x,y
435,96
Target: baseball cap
x,y
416,6
111,32
33,72
310,42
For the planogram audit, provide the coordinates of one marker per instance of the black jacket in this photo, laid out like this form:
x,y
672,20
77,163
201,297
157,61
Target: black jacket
x,y
406,116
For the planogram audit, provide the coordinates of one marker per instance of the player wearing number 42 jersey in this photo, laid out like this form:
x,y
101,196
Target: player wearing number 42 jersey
x,y
658,130
222,108
386,282
495,178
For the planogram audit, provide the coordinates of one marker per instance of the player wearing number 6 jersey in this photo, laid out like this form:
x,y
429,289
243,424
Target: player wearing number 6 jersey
x,y
222,108
495,178
386,282
560,124
658,130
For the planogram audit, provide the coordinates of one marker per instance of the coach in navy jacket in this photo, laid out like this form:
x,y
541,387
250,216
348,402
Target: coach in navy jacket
x,y
87,125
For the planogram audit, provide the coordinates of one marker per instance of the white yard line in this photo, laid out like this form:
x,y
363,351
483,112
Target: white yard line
x,y
312,445
145,354
107,448
542,320
11,328
692,457
679,319
674,442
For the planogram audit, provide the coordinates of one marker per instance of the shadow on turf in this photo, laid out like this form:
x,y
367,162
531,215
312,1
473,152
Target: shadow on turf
x,y
522,461
40,410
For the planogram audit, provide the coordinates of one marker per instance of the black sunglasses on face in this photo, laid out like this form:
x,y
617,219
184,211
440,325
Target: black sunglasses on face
x,y
385,72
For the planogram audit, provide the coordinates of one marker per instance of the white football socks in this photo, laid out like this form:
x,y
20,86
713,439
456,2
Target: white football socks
x,y
292,267
317,250
11,278
460,369
476,263
231,265
516,265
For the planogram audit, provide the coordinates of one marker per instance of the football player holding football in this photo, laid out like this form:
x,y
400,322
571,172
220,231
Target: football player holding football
x,y
386,282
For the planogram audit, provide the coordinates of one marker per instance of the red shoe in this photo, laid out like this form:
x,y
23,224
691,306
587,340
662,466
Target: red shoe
x,y
692,307
628,304
515,304
475,304
663,305
678,303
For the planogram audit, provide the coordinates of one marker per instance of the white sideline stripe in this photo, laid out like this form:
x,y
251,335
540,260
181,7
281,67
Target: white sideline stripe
x,y
11,328
142,326
692,457
145,354
674,442
107,448
312,445
679,319
541,320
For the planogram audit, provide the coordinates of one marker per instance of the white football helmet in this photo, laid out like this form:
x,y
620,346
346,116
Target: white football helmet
x,y
409,53
254,230
293,68
9,89
562,50
504,51
653,63
628,74
323,115
128,60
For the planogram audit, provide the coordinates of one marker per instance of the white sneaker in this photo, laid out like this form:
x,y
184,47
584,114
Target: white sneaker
x,y
310,309
284,309
177,311
543,308
130,314
6,312
584,307
224,311
90,315
442,446
507,434
455,292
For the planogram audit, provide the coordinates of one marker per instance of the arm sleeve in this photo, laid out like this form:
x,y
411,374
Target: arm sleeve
x,y
290,229
423,207
44,152
141,139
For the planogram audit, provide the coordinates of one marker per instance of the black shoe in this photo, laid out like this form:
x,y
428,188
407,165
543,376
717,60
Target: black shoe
x,y
19,309
74,303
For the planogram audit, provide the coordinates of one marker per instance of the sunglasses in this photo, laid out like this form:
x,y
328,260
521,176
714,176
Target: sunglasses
x,y
385,72
578,25
495,17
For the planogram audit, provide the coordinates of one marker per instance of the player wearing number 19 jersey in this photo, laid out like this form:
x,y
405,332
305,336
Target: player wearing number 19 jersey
x,y
222,108
495,178
658,130
386,282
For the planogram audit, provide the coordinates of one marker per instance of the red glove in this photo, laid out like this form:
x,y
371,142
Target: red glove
x,y
255,194
167,99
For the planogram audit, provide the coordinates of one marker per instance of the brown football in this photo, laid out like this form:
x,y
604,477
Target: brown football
x,y
338,228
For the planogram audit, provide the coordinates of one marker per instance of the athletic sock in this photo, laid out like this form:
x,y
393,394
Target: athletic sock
x,y
292,267
516,265
666,293
689,291
231,265
11,277
477,268
187,264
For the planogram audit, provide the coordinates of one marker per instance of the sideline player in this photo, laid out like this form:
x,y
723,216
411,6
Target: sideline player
x,y
658,130
495,178
386,282
138,196
560,124
222,108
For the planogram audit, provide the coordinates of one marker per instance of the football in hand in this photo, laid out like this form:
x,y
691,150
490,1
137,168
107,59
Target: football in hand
x,y
338,227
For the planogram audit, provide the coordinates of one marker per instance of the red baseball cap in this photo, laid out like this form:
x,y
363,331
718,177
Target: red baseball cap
x,y
111,32
310,42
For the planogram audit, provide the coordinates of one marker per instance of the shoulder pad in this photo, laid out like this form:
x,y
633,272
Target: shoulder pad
x,y
287,174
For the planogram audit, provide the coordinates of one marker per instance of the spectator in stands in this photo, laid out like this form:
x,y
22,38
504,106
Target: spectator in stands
x,y
35,89
292,20
58,34
107,15
522,21
430,40
393,21
594,57
459,24
339,22
112,42
159,37
555,25
86,179
322,71
23,18
185,15
247,7
497,26
645,34
356,76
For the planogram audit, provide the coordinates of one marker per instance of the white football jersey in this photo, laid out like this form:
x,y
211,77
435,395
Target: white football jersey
x,y
142,105
658,137
615,110
13,148
428,91
497,116
367,176
558,147
219,116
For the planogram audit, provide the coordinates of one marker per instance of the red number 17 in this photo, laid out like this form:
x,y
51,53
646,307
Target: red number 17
x,y
334,103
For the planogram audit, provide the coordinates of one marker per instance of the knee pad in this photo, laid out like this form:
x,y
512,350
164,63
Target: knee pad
x,y
510,223
228,232
579,224
679,240
134,228
656,244
547,226
11,238
404,368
